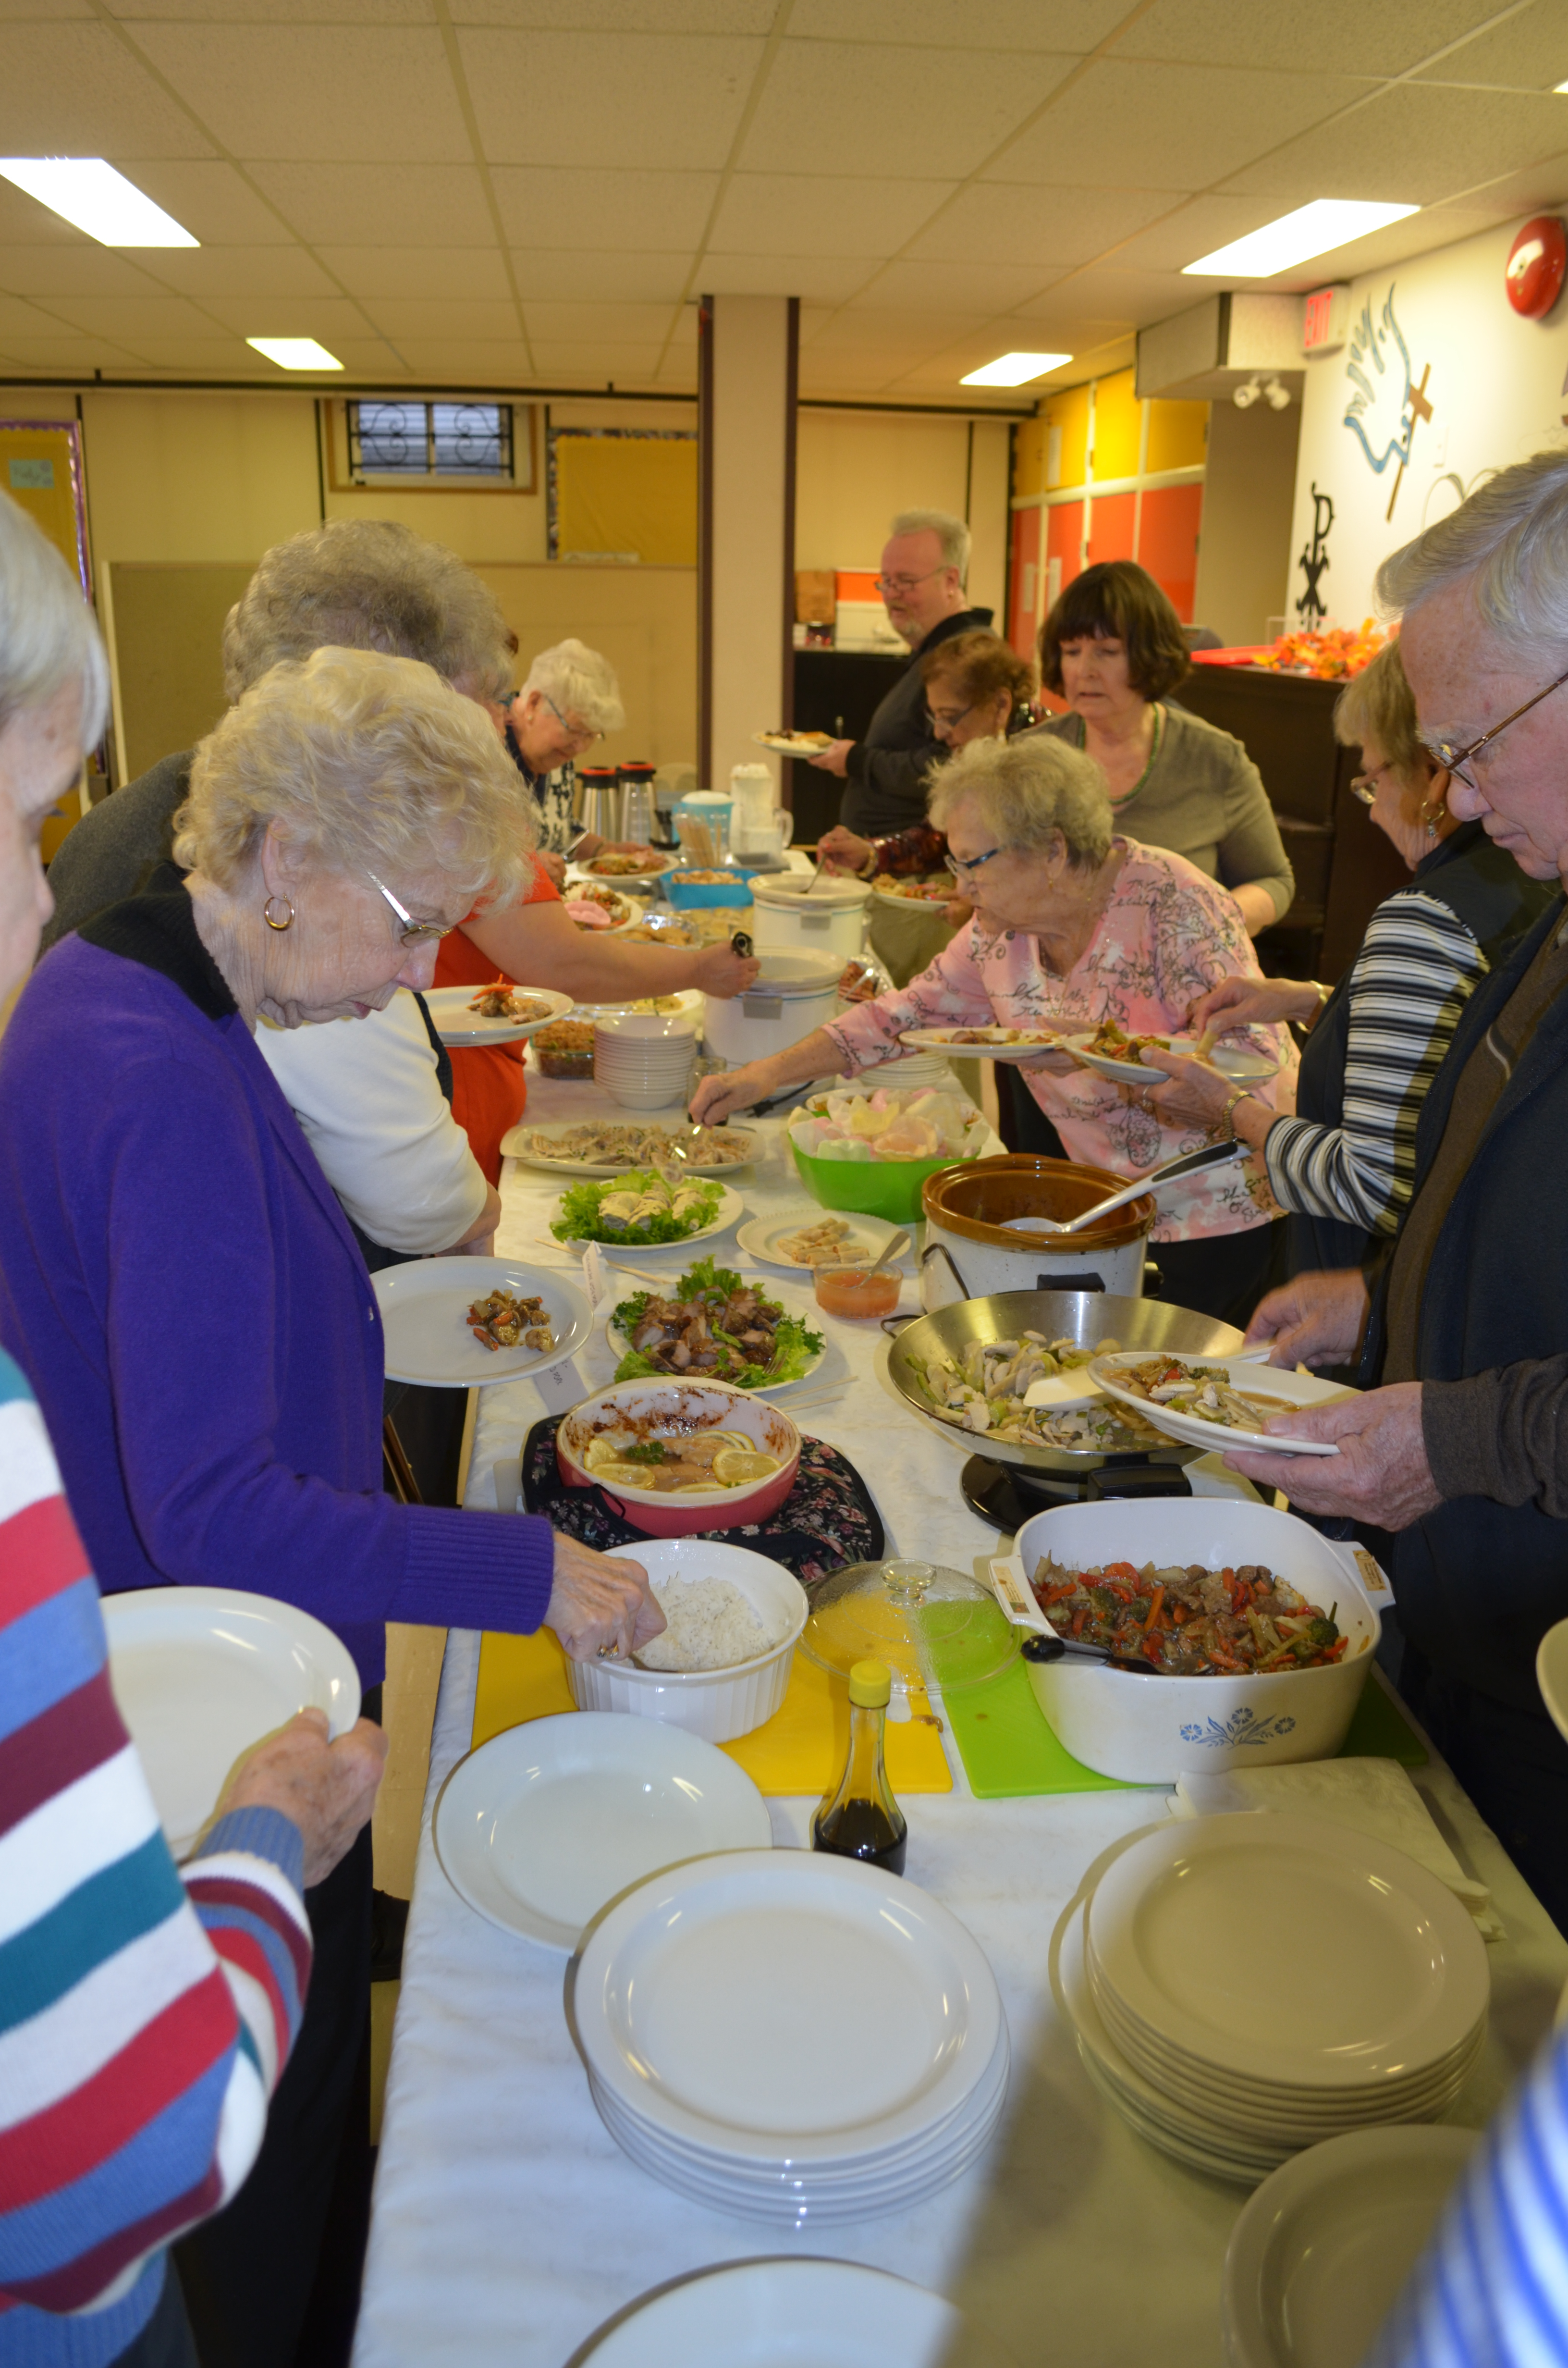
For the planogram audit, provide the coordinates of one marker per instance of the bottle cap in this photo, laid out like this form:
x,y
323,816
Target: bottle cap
x,y
870,1684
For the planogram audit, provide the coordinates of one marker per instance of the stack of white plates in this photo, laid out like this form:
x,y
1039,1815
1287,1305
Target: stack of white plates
x,y
643,1059
1243,1987
791,2037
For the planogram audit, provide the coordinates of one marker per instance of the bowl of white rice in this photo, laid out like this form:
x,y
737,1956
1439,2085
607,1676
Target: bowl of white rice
x,y
722,1665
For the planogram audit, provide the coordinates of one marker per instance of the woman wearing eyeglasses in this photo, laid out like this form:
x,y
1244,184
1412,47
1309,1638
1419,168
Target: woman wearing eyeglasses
x,y
1345,1163
1074,925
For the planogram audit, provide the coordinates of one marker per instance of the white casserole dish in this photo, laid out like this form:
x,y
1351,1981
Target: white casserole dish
x,y
717,1705
1151,1730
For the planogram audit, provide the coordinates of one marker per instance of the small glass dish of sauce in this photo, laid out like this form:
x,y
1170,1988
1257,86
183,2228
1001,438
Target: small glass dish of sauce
x,y
856,1291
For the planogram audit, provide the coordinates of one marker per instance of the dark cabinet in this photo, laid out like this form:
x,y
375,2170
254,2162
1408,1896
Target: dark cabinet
x,y
837,691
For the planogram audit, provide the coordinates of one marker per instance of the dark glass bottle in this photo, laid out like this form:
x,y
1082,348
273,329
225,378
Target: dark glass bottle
x,y
859,1818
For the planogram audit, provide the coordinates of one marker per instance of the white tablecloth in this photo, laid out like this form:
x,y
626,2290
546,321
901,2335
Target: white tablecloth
x,y
509,2225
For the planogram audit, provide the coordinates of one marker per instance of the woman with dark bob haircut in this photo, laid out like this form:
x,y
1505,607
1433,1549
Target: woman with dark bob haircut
x,y
1113,647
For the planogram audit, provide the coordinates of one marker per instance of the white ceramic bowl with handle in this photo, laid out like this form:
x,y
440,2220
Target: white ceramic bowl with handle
x,y
717,1705
1149,1730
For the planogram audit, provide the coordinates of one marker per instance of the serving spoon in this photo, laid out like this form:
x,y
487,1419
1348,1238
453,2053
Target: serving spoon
x,y
1212,1154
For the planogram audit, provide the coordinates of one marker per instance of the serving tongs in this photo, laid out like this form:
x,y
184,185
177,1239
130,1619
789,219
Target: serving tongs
x,y
1191,1163
1072,1648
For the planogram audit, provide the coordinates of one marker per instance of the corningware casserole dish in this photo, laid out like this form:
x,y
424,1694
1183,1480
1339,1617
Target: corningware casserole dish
x,y
717,1705
639,1410
978,1239
1149,1730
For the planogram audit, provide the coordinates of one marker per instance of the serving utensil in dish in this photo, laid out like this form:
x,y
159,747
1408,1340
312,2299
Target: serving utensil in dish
x,y
1191,1163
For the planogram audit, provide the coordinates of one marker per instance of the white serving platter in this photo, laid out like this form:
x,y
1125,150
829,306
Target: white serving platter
x,y
541,1826
428,1339
760,1237
462,1029
201,1673
731,1207
1260,1381
531,1145
655,870
810,1316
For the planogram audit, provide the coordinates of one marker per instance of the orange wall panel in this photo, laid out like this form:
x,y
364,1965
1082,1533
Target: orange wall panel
x,y
1111,521
1168,541
1027,592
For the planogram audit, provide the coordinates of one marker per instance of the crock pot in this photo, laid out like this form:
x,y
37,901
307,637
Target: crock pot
x,y
830,919
795,993
973,1246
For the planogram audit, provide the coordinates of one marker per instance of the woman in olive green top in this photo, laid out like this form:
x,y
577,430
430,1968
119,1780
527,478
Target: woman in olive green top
x,y
1113,647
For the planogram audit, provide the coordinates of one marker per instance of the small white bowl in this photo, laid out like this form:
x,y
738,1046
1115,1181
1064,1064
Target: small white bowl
x,y
718,1704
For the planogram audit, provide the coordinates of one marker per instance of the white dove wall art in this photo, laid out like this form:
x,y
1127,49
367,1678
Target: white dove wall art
x,y
1384,405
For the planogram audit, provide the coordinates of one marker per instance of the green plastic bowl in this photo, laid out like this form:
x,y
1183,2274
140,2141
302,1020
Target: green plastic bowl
x,y
871,1187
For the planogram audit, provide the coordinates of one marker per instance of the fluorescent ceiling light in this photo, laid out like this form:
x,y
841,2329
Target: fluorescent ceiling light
x,y
1312,229
295,353
1015,370
86,191
1559,87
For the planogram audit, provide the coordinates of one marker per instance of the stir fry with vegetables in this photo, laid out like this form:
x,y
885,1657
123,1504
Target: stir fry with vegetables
x,y
1204,1392
984,1391
1190,1621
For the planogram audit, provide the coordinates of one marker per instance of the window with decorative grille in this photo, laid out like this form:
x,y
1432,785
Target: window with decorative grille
x,y
390,437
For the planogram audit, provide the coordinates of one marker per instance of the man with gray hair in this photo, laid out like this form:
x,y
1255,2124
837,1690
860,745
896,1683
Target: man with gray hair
x,y
924,562
1461,1448
570,699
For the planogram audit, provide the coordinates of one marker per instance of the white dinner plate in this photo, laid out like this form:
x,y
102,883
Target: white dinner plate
x,y
942,1040
1322,2250
619,1344
1233,2168
1289,1950
934,903
655,869
542,1824
760,1237
200,1673
731,1206
790,744
458,1026
424,1308
790,2313
1264,1381
700,2004
1550,1663
532,1146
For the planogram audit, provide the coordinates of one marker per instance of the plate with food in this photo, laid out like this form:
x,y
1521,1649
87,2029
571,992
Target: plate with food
x,y
498,1014
605,1147
993,1389
595,904
1117,1055
794,744
806,1241
452,1322
644,863
991,1044
646,1210
713,1326
939,889
1215,1402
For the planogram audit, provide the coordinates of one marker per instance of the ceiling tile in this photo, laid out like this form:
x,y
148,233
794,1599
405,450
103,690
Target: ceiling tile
x,y
410,272
1524,191
1167,127
253,271
1414,142
214,202
1528,52
553,98
278,12
197,356
956,287
52,11
790,213
23,219
1333,35
326,317
1194,226
579,207
86,270
426,317
482,361
1010,24
320,93
560,361
75,90
408,205
599,324
1106,300
617,278
829,102
827,282
622,16
19,318
1006,223
132,317
75,356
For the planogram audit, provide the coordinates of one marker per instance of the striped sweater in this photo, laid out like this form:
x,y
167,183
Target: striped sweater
x,y
144,2019
1417,968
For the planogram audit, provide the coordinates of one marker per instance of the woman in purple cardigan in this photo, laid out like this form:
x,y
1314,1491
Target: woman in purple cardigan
x,y
182,1290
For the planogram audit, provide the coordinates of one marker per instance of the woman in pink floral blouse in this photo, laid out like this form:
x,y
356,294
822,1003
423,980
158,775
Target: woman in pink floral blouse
x,y
1074,925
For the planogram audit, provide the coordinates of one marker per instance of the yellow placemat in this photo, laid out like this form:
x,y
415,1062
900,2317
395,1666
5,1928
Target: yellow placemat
x,y
800,1749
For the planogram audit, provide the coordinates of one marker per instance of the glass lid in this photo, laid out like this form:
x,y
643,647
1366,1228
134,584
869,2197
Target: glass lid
x,y
931,1625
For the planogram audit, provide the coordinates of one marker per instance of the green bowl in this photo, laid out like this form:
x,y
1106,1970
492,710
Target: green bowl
x,y
872,1188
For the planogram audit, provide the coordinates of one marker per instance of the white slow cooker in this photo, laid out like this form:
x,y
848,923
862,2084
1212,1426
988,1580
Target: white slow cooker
x,y
976,1245
795,993
790,914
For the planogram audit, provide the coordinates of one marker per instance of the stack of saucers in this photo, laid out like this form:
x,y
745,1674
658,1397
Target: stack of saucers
x,y
794,2038
1243,1986
643,1059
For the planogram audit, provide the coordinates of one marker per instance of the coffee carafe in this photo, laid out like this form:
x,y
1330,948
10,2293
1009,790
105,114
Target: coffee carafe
x,y
637,801
598,801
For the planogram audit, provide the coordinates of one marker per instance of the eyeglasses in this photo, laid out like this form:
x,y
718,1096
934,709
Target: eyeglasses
x,y
413,932
964,866
578,738
1454,761
1364,787
907,583
950,718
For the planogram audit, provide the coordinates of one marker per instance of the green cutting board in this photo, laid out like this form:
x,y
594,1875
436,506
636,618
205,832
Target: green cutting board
x,y
1008,1749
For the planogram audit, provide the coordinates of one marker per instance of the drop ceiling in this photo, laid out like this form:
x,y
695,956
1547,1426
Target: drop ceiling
x,y
535,192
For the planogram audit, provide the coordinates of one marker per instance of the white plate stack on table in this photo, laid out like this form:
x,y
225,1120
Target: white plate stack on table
x,y
1243,1987
644,1059
791,2037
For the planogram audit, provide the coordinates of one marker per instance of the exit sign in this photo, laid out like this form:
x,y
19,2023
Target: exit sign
x,y
1325,319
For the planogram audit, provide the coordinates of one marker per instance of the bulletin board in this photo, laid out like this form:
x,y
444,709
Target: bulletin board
x,y
40,468
622,493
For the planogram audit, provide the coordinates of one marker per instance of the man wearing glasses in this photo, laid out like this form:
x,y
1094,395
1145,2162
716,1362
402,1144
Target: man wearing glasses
x,y
924,562
1461,1448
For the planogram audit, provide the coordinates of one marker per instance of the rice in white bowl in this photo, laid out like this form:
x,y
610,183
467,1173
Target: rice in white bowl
x,y
711,1626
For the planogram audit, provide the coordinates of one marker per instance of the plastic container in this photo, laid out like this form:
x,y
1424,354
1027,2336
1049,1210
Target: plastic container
x,y
794,995
854,1291
830,919
682,893
706,811
717,1705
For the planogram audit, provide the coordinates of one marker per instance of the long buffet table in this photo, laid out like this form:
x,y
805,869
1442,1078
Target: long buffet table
x,y
509,2225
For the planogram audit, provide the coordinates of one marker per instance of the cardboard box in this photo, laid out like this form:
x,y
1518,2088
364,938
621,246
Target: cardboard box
x,y
814,601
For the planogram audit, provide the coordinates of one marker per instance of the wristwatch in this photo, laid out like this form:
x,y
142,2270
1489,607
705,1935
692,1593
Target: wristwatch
x,y
1227,1119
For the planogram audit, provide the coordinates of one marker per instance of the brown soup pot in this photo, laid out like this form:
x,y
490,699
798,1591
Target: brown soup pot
x,y
975,1248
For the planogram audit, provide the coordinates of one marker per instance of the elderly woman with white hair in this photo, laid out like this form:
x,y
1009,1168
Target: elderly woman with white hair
x,y
1073,926
570,701
183,1293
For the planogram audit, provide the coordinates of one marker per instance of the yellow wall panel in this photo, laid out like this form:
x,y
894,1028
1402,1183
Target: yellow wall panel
x,y
1068,411
1178,435
627,495
1119,422
38,468
1028,456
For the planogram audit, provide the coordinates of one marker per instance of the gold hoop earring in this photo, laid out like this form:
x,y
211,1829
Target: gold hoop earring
x,y
267,913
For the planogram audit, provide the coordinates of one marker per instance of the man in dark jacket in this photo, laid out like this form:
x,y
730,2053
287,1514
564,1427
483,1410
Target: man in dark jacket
x,y
924,562
1463,1449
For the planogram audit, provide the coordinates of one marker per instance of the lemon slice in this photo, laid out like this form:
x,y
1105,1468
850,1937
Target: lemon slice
x,y
624,1476
599,1451
691,1489
733,1466
730,1439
